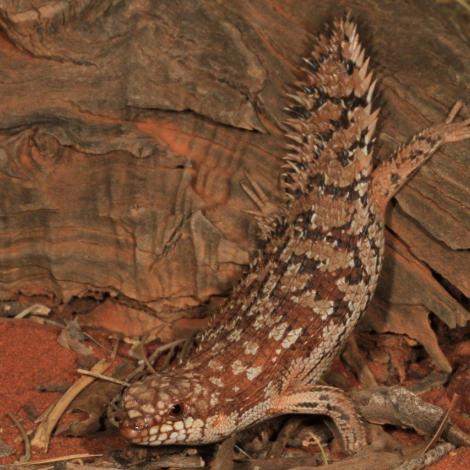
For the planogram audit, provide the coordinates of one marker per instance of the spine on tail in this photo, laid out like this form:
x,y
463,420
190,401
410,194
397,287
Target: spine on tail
x,y
331,120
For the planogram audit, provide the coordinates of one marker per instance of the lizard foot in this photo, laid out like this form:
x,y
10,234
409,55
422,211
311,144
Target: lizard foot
x,y
267,213
329,401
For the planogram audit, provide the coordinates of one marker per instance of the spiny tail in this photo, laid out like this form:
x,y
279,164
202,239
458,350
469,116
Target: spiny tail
x,y
332,118
393,173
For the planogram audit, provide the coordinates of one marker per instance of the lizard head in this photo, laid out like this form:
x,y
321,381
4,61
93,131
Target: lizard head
x,y
173,408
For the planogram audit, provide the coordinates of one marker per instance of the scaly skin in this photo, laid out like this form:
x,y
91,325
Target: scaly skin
x,y
268,346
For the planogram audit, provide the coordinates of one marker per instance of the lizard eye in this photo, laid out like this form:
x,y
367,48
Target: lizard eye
x,y
176,409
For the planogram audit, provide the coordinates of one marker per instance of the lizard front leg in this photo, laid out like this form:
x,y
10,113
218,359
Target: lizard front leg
x,y
329,401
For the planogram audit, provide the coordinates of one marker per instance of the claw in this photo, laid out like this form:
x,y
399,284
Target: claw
x,y
254,191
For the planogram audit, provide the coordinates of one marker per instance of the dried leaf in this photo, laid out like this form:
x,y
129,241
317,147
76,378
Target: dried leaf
x,y
72,337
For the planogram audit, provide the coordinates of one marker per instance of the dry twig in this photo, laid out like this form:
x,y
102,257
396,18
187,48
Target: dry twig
x,y
103,377
27,445
60,459
442,425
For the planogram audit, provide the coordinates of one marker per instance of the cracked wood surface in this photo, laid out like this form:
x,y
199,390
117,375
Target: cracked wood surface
x,y
127,128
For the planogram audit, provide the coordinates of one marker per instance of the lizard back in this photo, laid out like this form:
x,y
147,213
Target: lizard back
x,y
313,277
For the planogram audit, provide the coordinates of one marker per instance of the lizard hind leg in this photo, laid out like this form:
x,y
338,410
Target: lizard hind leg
x,y
391,174
329,401
268,213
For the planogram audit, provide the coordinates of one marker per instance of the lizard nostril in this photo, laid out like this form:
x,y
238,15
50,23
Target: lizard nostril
x,y
128,429
138,424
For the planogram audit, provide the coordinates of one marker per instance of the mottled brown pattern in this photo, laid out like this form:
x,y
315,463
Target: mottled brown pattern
x,y
269,344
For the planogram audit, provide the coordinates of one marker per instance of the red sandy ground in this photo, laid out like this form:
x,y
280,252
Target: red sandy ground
x,y
30,356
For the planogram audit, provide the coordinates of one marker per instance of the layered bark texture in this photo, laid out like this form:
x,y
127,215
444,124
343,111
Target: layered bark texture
x,y
127,128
